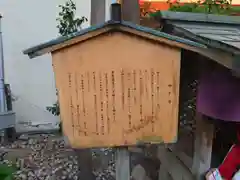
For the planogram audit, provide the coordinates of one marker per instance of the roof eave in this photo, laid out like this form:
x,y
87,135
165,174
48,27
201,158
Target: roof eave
x,y
199,17
208,42
110,25
39,49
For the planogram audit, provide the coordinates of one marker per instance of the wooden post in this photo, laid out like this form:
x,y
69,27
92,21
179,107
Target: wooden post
x,y
122,164
163,174
84,158
173,165
202,146
85,164
85,155
97,11
131,11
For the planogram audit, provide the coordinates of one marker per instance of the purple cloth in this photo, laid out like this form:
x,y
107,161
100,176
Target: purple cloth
x,y
219,95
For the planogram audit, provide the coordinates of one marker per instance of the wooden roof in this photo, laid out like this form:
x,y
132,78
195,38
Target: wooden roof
x,y
200,17
218,31
111,26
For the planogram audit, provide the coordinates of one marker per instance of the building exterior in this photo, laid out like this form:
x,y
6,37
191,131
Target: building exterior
x,y
26,23
32,83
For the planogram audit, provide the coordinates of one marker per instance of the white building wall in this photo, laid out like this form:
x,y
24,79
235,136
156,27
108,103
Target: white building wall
x,y
107,6
26,23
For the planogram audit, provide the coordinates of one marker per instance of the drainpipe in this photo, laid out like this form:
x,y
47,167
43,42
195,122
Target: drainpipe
x,y
2,89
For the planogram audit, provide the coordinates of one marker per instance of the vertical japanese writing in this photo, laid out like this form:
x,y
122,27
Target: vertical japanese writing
x,y
83,89
152,97
83,103
71,102
169,93
136,93
123,87
95,102
141,94
85,128
107,105
113,96
78,119
158,91
134,86
129,100
88,81
76,85
101,102
77,99
146,81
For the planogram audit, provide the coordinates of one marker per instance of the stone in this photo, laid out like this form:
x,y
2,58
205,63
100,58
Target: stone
x,y
64,177
23,176
138,173
50,159
23,137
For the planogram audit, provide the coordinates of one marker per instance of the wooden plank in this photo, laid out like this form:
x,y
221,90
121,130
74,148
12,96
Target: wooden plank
x,y
122,164
203,146
101,101
164,174
135,150
85,164
173,165
186,160
131,11
69,42
236,66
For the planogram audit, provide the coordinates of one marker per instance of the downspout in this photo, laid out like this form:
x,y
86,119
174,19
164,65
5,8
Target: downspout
x,y
2,89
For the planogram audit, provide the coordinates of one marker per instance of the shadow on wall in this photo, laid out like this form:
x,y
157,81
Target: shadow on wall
x,y
30,117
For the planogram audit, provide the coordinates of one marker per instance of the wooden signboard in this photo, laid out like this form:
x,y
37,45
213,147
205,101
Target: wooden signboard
x,y
116,94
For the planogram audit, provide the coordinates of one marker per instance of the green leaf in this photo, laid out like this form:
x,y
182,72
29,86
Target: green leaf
x,y
68,23
9,177
208,6
6,172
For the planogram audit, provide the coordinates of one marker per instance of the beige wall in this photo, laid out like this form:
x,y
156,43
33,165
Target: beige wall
x,y
26,23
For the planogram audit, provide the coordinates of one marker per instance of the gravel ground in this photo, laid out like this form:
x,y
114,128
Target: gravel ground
x,y
45,157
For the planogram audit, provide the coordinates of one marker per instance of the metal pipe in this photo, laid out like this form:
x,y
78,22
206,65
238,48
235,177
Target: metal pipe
x,y
2,88
116,13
